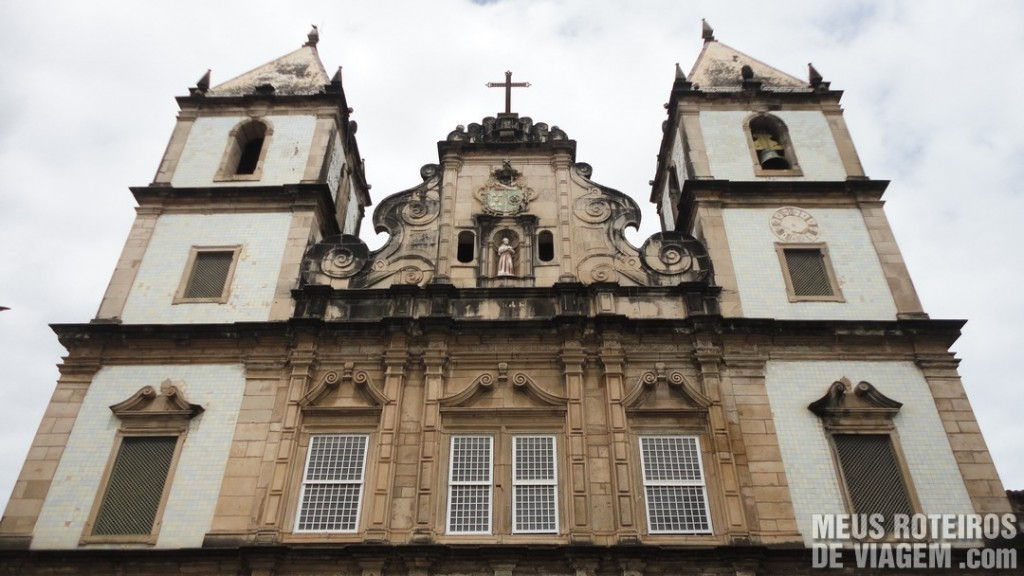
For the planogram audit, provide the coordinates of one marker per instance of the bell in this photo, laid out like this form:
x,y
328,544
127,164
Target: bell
x,y
772,160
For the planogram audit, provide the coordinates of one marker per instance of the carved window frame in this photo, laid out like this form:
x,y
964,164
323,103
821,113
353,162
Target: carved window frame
x,y
830,273
649,415
190,264
782,131
227,171
862,410
146,413
319,417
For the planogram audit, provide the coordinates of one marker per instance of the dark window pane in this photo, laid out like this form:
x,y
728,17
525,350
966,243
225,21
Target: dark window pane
x,y
136,484
807,272
209,274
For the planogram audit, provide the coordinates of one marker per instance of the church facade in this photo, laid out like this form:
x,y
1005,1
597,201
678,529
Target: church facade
x,y
508,386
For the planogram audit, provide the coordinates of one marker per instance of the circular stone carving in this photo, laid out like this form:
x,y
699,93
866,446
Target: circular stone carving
x,y
603,273
411,275
667,254
592,210
418,212
792,224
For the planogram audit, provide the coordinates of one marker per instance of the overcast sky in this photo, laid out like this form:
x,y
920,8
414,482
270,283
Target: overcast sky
x,y
933,100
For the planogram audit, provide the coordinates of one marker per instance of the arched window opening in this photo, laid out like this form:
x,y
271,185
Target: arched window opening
x,y
249,142
467,243
771,143
545,246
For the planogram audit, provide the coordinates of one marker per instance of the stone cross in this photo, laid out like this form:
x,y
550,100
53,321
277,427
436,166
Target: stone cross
x,y
508,85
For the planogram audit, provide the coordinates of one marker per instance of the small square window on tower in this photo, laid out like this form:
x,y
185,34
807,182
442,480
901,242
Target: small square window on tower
x,y
808,273
208,274
136,487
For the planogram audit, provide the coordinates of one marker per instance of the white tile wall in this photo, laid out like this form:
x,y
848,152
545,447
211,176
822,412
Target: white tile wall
x,y
218,388
284,163
263,236
762,288
729,155
810,468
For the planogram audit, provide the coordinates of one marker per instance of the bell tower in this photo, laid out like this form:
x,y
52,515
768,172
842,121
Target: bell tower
x,y
760,166
257,168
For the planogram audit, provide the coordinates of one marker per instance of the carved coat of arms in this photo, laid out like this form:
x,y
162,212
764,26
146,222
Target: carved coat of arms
x,y
504,194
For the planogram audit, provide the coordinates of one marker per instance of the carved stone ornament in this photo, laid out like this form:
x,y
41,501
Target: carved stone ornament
x,y
341,256
149,407
332,381
688,398
791,224
865,406
485,383
504,194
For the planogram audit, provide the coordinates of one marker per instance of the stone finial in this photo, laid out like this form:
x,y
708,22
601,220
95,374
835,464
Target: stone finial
x,y
313,37
747,72
813,76
706,32
679,73
203,84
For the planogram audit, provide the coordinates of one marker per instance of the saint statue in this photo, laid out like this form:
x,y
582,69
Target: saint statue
x,y
506,253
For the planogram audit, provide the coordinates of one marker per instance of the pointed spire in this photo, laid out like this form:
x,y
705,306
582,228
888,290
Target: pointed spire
x,y
336,79
203,84
813,76
314,37
707,32
679,73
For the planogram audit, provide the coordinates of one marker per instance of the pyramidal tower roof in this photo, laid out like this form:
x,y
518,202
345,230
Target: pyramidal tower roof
x,y
719,68
297,73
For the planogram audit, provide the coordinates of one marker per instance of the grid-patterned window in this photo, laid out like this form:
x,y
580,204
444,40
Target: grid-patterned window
x,y
135,487
208,275
534,485
677,501
808,273
469,485
332,488
871,472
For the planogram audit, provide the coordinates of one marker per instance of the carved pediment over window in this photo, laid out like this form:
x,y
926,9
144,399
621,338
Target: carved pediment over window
x,y
490,391
149,409
350,390
659,392
850,406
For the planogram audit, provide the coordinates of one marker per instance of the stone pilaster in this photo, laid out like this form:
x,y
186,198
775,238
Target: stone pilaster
x,y
572,359
435,360
613,360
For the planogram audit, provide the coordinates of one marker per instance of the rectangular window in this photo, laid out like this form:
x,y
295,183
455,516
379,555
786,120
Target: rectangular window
x,y
534,485
332,487
470,485
208,275
872,474
677,500
136,486
808,273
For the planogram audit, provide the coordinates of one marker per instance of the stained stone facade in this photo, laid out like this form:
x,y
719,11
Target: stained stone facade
x,y
508,386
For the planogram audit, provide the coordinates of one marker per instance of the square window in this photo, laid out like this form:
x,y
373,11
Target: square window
x,y
674,491
332,486
208,275
808,273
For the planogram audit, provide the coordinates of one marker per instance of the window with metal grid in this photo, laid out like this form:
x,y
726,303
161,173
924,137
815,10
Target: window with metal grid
x,y
874,481
209,274
534,485
135,486
677,500
332,487
469,485
808,274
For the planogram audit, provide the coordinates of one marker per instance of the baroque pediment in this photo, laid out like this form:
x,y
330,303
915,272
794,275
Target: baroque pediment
x,y
345,390
149,404
500,391
845,404
661,391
